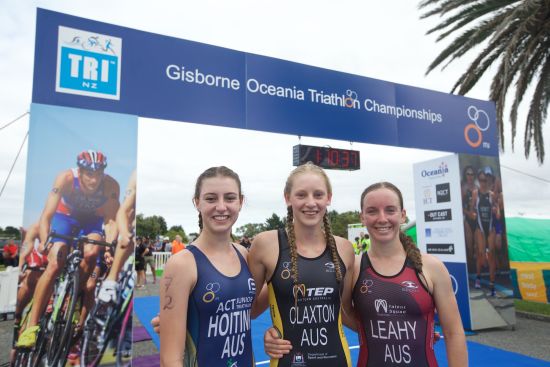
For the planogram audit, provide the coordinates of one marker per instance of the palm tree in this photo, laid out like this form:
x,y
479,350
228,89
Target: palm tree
x,y
516,35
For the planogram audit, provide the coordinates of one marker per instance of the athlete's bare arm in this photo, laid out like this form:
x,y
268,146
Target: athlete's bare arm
x,y
473,200
439,280
62,185
495,205
345,250
126,214
180,277
27,244
262,257
261,300
262,262
110,208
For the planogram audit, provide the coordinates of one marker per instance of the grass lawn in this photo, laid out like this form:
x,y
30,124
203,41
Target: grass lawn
x,y
533,307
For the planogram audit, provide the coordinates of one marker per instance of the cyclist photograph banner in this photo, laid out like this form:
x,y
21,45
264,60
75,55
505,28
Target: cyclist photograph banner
x,y
490,285
80,165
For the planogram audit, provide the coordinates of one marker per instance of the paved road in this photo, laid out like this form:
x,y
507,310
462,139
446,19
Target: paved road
x,y
530,337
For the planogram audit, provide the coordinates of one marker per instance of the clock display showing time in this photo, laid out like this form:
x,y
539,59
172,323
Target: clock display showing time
x,y
327,157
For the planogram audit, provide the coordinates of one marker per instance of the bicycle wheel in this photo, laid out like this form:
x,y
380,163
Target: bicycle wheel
x,y
38,355
63,326
123,354
23,357
97,335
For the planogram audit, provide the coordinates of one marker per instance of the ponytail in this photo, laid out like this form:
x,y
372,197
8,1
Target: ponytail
x,y
413,253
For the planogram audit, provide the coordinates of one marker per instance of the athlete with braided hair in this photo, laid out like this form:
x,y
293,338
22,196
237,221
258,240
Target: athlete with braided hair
x,y
307,269
83,201
395,294
397,290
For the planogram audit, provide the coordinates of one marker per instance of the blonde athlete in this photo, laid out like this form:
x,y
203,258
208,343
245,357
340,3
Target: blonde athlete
x,y
306,269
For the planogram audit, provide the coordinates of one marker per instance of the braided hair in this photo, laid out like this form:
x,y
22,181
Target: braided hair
x,y
329,238
412,252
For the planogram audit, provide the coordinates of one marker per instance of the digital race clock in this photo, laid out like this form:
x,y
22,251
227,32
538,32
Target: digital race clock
x,y
326,157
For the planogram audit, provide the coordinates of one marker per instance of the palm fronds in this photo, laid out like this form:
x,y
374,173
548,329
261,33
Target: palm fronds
x,y
515,36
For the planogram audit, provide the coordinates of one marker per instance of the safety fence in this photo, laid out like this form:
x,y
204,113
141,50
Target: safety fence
x,y
8,289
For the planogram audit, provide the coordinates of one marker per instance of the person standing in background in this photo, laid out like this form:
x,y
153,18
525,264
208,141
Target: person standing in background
x,y
245,242
177,245
141,250
10,253
150,260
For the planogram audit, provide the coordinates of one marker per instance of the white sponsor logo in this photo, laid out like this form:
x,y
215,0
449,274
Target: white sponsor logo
x,y
454,283
381,303
88,63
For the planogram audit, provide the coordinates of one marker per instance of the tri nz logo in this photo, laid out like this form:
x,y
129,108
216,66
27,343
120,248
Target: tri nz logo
x,y
88,64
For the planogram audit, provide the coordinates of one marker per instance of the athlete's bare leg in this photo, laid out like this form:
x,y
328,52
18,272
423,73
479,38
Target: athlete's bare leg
x,y
44,288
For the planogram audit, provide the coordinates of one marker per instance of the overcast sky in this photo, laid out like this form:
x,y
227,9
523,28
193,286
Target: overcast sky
x,y
383,39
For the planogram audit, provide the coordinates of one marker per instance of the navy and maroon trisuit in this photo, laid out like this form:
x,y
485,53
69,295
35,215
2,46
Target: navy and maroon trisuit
x,y
396,316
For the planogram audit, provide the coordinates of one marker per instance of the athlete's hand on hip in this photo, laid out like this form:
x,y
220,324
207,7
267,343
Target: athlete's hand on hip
x,y
274,345
155,322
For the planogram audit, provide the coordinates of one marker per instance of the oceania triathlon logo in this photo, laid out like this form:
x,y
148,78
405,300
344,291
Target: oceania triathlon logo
x,y
351,98
88,64
436,172
285,273
366,285
473,132
211,290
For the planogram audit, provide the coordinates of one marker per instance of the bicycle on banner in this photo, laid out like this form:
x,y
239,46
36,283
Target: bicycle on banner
x,y
109,325
58,325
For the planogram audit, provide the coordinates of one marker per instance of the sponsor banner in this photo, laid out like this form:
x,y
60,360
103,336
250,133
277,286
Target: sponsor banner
x,y
438,208
93,65
437,233
437,215
440,229
531,281
443,193
440,248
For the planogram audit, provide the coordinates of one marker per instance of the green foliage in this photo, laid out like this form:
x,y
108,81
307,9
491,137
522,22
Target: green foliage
x,y
175,230
339,222
150,226
10,232
273,222
250,229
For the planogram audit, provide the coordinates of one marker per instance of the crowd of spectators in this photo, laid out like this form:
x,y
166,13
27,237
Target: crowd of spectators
x,y
146,247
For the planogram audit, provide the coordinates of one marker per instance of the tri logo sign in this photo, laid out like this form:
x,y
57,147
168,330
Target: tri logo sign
x,y
88,64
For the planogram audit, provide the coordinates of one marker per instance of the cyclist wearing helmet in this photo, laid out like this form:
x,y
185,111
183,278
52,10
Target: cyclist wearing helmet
x,y
81,201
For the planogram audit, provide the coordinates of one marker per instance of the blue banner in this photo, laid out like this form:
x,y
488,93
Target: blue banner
x,y
93,65
459,281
